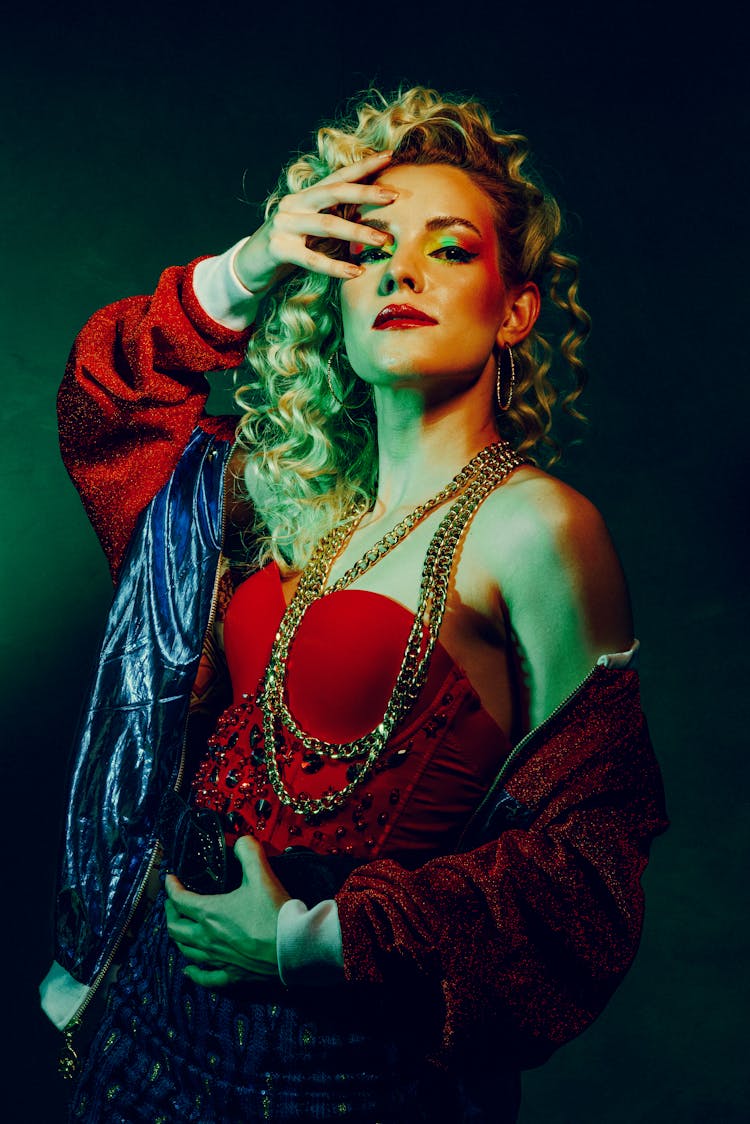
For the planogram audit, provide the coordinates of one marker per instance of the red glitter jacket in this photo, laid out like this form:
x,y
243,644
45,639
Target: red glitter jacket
x,y
133,392
526,936
514,945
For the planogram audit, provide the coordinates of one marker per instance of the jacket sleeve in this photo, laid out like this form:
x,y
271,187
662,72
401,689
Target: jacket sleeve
x,y
525,937
133,392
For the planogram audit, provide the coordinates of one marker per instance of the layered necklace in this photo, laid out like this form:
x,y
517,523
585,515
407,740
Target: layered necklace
x,y
470,486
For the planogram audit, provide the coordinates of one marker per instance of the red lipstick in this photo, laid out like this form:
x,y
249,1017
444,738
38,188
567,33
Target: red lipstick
x,y
401,316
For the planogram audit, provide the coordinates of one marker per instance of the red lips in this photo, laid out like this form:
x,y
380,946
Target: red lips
x,y
401,316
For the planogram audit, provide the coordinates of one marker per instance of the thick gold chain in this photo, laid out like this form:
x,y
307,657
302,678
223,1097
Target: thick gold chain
x,y
471,486
484,460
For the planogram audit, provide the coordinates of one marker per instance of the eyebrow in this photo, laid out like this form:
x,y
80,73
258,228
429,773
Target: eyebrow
x,y
440,222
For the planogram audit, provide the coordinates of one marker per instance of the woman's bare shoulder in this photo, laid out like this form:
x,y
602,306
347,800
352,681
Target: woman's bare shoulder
x,y
548,549
543,514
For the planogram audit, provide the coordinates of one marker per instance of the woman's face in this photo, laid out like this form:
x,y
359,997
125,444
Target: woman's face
x,y
441,262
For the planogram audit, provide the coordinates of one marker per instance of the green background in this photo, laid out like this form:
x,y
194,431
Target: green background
x,y
125,141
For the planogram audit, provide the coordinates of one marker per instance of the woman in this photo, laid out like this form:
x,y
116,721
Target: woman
x,y
411,612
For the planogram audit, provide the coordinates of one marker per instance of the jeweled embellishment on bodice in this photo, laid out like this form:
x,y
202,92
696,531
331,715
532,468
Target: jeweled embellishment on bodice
x,y
233,780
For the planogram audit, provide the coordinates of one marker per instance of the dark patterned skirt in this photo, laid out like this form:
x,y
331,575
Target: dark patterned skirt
x,y
171,1052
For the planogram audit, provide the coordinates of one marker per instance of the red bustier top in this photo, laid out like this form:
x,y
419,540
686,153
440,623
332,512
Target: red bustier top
x,y
342,667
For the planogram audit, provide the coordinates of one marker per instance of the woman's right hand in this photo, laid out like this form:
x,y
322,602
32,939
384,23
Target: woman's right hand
x,y
282,242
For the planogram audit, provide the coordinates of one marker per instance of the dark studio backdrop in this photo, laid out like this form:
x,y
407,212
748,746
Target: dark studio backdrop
x,y
125,139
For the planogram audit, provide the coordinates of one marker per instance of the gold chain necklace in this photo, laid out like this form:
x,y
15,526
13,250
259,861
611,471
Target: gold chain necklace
x,y
481,462
471,485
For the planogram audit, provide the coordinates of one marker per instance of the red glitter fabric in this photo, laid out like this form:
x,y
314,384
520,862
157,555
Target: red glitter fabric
x,y
434,772
132,394
521,942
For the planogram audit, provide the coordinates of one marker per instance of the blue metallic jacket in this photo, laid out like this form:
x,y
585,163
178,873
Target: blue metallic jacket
x,y
129,747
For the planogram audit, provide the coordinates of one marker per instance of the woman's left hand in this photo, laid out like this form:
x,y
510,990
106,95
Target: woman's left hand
x,y
229,938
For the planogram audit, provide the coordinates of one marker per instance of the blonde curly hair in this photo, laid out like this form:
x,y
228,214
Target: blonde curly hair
x,y
313,455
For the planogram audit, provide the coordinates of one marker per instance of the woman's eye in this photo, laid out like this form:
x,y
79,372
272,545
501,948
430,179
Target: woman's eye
x,y
454,254
368,254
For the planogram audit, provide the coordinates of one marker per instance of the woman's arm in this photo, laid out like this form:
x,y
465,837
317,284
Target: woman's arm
x,y
134,390
560,582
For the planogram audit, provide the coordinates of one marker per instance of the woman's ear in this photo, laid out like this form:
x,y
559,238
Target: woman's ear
x,y
521,315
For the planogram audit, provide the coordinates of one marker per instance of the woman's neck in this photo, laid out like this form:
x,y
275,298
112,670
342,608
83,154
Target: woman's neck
x,y
421,447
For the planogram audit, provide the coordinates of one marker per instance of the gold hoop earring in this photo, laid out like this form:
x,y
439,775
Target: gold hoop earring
x,y
329,373
505,405
345,406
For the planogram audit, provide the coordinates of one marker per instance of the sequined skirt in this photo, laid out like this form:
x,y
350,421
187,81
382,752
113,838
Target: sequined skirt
x,y
169,1051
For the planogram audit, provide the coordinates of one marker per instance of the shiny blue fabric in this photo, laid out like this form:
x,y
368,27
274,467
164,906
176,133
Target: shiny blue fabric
x,y
132,729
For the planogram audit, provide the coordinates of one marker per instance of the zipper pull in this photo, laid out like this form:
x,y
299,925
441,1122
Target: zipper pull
x,y
67,1063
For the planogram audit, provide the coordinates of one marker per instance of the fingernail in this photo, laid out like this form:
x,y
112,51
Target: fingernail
x,y
354,270
384,193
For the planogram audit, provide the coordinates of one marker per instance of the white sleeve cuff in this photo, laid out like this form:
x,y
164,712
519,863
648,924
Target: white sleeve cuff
x,y
221,294
620,660
62,996
308,944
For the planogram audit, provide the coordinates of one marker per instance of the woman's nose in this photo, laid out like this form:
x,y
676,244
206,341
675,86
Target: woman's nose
x,y
402,273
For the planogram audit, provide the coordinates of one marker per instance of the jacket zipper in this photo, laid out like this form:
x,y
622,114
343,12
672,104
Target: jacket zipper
x,y
68,1059
518,749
